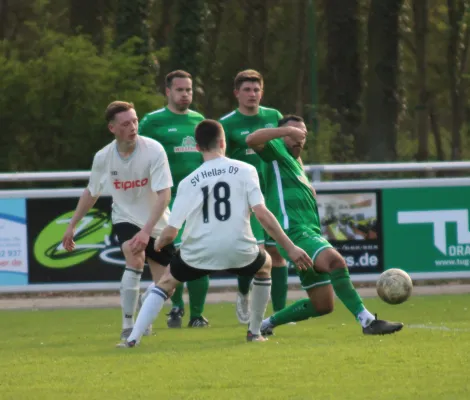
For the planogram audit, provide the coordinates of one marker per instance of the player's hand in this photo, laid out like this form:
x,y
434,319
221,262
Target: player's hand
x,y
300,258
139,242
296,134
67,240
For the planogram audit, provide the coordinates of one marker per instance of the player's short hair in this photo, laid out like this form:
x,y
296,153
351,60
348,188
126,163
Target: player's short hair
x,y
289,117
179,73
117,107
248,75
208,134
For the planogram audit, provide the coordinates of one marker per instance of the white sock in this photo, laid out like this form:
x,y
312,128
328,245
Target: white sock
x,y
365,318
130,283
152,305
259,301
267,323
147,292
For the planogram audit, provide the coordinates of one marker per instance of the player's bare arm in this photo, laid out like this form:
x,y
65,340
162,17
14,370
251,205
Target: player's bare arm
x,y
85,203
168,236
259,138
269,222
141,239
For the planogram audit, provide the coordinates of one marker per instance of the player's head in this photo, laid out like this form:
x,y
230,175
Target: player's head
x,y
179,90
122,121
210,137
248,89
295,148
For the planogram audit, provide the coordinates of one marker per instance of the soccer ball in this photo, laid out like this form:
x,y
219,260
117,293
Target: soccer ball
x,y
394,286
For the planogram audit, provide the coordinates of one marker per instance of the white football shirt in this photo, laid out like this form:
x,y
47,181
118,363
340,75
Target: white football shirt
x,y
216,201
132,182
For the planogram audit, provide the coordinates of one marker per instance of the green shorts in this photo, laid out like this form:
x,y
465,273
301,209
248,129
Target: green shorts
x,y
257,229
312,243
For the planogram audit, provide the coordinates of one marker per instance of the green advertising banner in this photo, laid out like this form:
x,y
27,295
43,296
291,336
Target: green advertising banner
x,y
426,229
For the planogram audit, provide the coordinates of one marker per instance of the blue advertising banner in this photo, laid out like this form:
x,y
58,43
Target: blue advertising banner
x,y
13,243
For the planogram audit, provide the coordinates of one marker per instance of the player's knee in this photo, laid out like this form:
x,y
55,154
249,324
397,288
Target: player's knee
x,y
136,261
337,262
276,257
265,270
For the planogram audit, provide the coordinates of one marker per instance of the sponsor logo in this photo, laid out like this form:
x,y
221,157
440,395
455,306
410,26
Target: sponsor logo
x,y
269,126
130,184
249,151
438,219
188,145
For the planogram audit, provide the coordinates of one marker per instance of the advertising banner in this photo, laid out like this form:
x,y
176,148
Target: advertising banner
x,y
427,229
96,258
351,222
13,243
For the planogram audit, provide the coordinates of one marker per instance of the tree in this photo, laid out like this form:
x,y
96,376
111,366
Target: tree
x,y
131,21
457,49
343,73
382,98
420,18
87,17
186,42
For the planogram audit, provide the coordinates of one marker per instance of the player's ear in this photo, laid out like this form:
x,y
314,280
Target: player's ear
x,y
236,92
167,91
198,148
111,127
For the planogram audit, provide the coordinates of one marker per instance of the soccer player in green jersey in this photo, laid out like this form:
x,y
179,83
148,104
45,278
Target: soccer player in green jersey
x,y
248,117
173,126
291,199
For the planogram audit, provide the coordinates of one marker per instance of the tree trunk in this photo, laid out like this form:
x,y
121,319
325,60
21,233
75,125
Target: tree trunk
x,y
344,73
420,15
260,28
186,47
382,99
213,38
300,57
433,118
3,18
86,16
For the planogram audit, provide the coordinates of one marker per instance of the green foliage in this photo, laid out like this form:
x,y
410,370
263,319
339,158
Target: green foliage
x,y
53,100
186,44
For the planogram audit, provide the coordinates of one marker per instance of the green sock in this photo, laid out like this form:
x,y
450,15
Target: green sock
x,y
346,292
298,311
177,298
197,296
279,287
244,283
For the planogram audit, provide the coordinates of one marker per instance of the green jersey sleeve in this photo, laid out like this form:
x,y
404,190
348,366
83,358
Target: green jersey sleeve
x,y
273,150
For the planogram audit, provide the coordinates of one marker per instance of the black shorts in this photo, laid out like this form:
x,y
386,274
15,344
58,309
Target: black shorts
x,y
125,231
185,273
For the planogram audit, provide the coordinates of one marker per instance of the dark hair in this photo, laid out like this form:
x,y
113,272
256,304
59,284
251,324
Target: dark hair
x,y
117,107
248,75
179,73
289,117
208,133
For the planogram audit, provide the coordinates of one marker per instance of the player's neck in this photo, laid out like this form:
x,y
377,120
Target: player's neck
x,y
174,110
248,111
212,155
125,149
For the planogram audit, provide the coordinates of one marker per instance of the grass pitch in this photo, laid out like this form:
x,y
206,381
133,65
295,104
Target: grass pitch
x,y
70,354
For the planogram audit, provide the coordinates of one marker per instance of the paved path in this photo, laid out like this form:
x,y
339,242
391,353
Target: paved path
x,y
112,300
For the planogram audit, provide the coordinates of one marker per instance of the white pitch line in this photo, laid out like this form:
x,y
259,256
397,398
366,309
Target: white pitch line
x,y
437,328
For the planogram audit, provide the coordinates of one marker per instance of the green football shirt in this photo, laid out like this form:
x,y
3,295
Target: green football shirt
x,y
288,192
175,132
238,126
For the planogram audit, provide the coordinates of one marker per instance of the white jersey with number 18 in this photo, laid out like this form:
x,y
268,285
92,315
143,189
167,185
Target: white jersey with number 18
x,y
132,182
216,201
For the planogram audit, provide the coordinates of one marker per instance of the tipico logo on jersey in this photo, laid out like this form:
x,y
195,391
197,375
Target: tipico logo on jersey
x,y
188,145
437,220
125,185
269,126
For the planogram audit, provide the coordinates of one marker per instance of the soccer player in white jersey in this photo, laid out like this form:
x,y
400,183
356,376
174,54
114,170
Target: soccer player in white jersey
x,y
216,201
134,170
